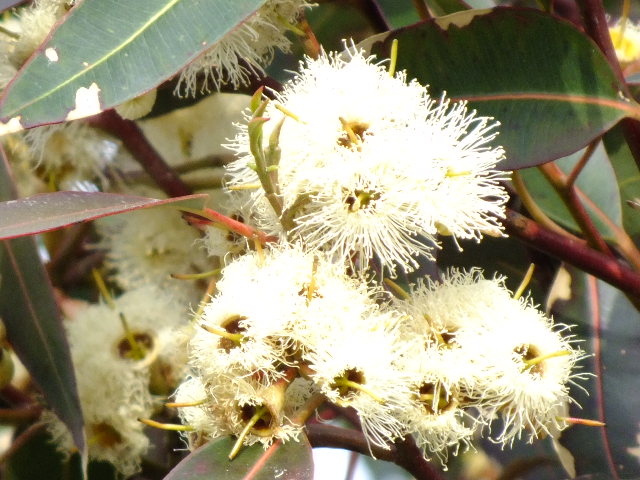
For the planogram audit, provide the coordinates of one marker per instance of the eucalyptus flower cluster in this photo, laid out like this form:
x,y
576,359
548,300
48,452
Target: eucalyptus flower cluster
x,y
127,355
357,172
349,175
362,164
442,364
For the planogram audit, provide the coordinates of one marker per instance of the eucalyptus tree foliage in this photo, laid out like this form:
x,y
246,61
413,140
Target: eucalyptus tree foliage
x,y
236,231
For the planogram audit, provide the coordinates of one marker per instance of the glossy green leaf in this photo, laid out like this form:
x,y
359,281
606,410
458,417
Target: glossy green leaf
x,y
628,178
49,211
547,83
288,461
33,323
108,51
597,189
611,327
398,14
447,7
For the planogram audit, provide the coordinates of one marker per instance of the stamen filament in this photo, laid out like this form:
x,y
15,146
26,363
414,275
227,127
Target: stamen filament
x,y
137,351
582,421
393,57
457,173
289,26
353,138
234,337
288,113
211,287
535,361
172,427
196,276
312,284
102,287
247,186
245,431
195,403
259,250
343,382
525,282
397,289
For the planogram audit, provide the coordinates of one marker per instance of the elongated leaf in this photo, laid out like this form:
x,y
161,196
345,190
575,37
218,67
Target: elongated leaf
x,y
288,461
597,189
611,327
108,51
545,81
628,178
48,211
33,324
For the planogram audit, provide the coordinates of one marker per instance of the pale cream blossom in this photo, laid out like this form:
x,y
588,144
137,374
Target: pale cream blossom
x,y
371,166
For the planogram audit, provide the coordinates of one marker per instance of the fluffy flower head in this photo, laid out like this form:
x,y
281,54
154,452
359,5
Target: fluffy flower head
x,y
371,165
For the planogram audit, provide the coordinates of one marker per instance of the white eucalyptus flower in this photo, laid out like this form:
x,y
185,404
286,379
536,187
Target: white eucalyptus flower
x,y
511,360
147,246
372,166
113,385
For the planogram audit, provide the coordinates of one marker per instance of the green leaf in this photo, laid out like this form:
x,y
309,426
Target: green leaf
x,y
597,189
398,14
288,461
628,178
33,323
611,327
447,7
108,51
49,211
547,83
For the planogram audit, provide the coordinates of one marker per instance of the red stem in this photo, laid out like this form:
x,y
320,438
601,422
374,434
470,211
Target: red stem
x,y
134,140
574,252
404,453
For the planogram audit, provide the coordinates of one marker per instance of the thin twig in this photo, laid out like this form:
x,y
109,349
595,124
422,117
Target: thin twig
x,y
405,455
14,396
558,179
569,195
577,169
21,440
422,9
576,253
13,416
329,436
134,140
532,207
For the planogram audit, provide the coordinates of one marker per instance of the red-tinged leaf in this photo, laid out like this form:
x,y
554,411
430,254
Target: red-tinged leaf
x,y
106,52
547,83
33,323
49,211
288,461
611,327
